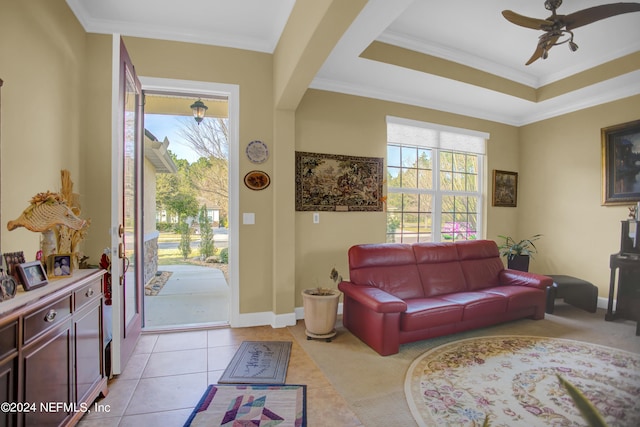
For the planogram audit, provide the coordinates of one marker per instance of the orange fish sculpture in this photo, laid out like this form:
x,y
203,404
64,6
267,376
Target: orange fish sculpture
x,y
46,211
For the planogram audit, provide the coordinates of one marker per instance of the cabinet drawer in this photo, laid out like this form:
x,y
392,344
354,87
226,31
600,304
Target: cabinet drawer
x,y
8,339
46,318
87,293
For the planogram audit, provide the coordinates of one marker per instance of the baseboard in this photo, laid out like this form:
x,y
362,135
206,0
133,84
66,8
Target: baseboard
x,y
604,302
265,318
269,318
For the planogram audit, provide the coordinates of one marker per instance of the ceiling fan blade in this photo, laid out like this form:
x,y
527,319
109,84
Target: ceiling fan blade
x,y
536,55
525,21
596,13
545,44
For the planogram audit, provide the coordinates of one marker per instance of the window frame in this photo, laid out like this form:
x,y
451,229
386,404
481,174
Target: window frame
x,y
438,194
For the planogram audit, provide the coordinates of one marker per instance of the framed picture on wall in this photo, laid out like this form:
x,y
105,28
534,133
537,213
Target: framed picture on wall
x,y
505,188
621,164
334,182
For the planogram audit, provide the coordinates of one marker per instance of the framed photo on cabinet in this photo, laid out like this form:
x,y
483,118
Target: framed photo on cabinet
x,y
32,274
58,266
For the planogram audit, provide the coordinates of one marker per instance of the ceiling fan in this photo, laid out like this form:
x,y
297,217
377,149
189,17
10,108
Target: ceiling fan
x,y
557,28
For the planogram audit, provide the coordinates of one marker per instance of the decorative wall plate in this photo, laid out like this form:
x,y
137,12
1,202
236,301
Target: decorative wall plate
x,y
257,152
257,180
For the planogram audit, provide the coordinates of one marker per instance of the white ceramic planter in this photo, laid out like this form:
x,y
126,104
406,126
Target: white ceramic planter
x,y
320,312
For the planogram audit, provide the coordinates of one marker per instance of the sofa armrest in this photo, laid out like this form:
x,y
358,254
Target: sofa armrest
x,y
523,278
373,298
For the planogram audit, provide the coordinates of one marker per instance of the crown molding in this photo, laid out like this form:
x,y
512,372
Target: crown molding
x,y
458,56
611,55
610,90
600,93
152,31
464,58
384,95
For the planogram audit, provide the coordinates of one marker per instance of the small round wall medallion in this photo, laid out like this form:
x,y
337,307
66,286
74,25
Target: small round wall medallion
x,y
257,151
257,180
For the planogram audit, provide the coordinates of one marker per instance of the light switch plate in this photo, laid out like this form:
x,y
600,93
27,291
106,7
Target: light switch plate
x,y
316,217
248,218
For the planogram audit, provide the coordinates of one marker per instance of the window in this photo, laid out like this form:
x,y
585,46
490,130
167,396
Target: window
x,y
434,182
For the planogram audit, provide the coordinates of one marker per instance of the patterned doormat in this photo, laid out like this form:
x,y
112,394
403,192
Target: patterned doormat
x,y
258,362
513,381
232,405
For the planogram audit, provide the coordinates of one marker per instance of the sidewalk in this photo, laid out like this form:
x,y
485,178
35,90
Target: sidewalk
x,y
193,295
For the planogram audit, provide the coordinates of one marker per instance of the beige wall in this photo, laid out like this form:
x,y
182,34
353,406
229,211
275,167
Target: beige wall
x,y
96,145
42,63
252,71
47,59
333,123
561,189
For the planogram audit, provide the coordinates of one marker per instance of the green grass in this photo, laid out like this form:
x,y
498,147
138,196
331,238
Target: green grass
x,y
165,237
173,257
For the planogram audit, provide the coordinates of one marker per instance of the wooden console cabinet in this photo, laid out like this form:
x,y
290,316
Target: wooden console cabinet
x,y
51,351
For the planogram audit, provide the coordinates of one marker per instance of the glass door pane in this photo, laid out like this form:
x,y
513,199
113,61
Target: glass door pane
x,y
129,200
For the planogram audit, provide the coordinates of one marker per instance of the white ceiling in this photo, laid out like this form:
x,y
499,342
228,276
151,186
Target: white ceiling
x,y
470,32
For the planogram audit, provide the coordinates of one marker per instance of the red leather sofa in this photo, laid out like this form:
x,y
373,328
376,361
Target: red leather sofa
x,y
400,293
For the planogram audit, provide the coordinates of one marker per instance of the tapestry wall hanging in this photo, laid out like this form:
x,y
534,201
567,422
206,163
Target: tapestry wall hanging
x,y
331,182
505,188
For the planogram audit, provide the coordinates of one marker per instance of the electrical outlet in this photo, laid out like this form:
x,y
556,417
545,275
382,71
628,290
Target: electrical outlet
x,y
316,217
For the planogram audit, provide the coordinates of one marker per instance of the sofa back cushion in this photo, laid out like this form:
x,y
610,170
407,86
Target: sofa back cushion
x,y
480,262
439,268
387,266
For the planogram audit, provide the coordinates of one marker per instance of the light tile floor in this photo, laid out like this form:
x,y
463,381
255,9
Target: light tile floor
x,y
169,372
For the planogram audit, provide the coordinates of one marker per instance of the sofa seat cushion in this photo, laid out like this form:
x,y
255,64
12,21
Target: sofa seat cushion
x,y
478,304
425,313
518,297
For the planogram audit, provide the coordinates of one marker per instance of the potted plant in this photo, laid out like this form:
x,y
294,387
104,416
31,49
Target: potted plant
x,y
321,309
518,253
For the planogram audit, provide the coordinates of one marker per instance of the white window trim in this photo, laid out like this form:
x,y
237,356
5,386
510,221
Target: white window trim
x,y
437,201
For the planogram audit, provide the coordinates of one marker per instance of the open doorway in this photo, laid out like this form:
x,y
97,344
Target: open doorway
x,y
186,212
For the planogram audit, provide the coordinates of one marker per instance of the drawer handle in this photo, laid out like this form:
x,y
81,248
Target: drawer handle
x,y
50,316
89,293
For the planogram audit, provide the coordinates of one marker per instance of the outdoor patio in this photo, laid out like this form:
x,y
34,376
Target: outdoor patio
x,y
192,296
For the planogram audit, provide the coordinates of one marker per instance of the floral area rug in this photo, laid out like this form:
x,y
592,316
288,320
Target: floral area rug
x,y
513,381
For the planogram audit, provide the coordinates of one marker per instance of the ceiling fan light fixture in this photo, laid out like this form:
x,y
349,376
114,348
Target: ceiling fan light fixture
x,y
557,28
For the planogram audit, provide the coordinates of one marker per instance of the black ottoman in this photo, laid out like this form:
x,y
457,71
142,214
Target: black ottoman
x,y
576,292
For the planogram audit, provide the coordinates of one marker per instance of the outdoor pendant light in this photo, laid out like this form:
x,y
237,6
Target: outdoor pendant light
x,y
199,109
